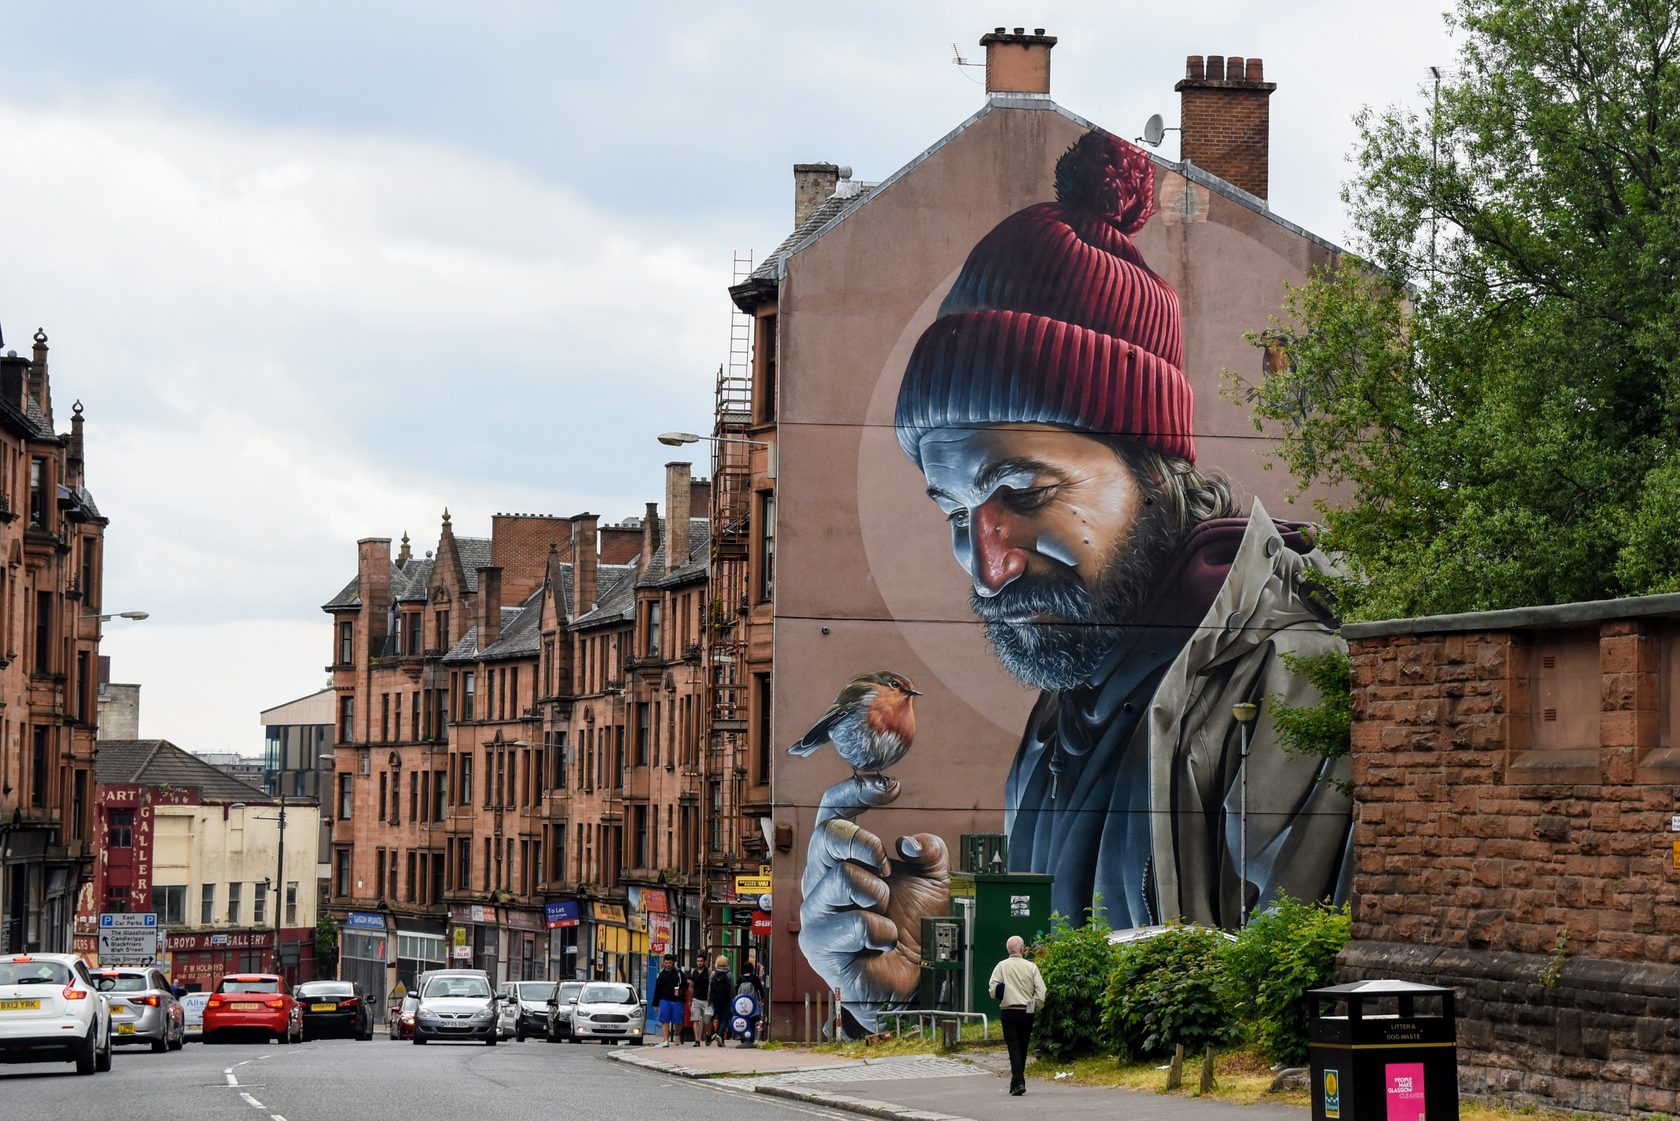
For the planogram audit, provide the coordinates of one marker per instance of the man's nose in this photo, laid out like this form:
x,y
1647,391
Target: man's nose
x,y
998,555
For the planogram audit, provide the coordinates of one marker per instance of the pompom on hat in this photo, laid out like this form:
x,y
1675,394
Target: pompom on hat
x,y
1056,319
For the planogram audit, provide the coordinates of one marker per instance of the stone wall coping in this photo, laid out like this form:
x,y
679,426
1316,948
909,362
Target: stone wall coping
x,y
1440,964
1520,618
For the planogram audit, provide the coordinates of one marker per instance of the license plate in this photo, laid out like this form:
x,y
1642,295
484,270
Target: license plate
x,y
245,1006
323,1008
19,1005
125,1029
118,1009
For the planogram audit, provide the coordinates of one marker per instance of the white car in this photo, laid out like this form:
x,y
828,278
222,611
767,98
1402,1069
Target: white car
x,y
607,1011
50,1010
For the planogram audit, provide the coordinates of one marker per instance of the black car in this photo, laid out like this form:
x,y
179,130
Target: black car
x,y
334,1008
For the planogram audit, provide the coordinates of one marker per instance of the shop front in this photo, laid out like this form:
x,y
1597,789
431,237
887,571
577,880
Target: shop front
x,y
561,918
199,960
422,944
475,939
364,954
525,931
617,948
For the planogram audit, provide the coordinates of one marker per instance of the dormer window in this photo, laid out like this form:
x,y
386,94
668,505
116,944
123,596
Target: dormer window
x,y
38,492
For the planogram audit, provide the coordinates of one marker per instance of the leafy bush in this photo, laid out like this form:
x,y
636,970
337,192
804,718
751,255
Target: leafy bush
x,y
1075,962
1282,953
1167,990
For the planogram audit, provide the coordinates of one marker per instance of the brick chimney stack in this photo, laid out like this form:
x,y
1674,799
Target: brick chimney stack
x,y
1224,108
1017,62
373,575
489,606
678,494
813,183
650,539
583,564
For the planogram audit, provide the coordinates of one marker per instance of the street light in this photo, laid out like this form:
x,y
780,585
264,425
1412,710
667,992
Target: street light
x,y
1245,712
134,615
678,439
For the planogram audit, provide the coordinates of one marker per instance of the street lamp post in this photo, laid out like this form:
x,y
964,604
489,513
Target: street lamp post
x,y
1245,712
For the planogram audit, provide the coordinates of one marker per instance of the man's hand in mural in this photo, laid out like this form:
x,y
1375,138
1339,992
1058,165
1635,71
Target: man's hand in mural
x,y
860,921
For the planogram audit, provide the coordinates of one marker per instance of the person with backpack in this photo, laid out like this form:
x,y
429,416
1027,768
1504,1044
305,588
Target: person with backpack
x,y
719,991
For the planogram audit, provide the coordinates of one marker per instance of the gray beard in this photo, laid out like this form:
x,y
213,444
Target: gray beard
x,y
1088,622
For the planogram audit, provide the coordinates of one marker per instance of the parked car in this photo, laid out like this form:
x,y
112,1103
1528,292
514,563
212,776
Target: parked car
x,y
608,1011
334,1008
192,1015
558,1025
402,1017
456,1004
523,1009
143,1009
50,1010
252,1004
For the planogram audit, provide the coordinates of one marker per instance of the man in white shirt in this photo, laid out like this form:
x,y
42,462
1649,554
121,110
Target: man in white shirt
x,y
1018,988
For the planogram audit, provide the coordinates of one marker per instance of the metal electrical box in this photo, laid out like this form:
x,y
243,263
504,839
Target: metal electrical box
x,y
1004,903
942,962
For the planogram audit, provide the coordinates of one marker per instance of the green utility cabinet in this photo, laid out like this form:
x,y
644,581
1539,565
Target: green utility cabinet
x,y
1004,903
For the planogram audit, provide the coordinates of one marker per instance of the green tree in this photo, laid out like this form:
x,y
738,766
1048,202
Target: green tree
x,y
1166,990
1282,952
1494,391
326,946
1075,962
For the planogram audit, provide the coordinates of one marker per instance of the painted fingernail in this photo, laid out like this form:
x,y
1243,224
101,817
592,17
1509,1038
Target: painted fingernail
x,y
910,847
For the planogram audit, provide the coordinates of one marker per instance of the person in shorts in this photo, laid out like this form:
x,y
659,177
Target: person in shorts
x,y
667,1000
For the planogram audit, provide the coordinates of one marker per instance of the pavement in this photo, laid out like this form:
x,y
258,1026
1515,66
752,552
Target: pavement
x,y
973,1087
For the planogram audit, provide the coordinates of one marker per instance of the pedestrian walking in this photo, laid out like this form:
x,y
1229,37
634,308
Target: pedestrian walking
x,y
719,989
699,1010
1019,990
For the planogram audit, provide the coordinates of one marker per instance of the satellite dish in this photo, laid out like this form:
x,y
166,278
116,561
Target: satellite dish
x,y
1154,130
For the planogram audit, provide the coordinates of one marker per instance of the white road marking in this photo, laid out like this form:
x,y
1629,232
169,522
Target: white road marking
x,y
232,1081
250,1101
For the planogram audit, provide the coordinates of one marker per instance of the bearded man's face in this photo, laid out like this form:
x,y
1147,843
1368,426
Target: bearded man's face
x,y
1056,534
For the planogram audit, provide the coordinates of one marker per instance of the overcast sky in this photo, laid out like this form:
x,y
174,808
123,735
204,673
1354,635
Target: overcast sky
x,y
319,270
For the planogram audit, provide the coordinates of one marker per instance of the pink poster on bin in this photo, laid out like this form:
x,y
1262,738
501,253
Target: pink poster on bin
x,y
1405,1091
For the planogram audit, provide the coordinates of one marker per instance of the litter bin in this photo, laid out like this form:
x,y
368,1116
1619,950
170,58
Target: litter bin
x,y
1383,1051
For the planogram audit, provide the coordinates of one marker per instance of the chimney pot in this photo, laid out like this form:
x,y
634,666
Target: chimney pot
x,y
997,30
1194,68
1234,68
1216,68
1038,31
1256,70
1020,31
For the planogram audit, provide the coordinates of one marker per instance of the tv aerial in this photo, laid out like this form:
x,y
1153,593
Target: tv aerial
x,y
959,61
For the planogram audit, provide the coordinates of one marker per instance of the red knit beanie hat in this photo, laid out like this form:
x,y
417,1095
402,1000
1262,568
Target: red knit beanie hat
x,y
1055,319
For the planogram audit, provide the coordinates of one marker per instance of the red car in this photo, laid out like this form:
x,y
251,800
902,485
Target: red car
x,y
252,1004
402,1018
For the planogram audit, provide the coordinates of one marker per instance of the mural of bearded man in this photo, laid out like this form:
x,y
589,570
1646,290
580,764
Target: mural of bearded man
x,y
1048,410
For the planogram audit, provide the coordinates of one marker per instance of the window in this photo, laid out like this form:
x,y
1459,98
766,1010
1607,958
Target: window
x,y
414,715
653,629
764,370
384,803
414,795
442,631
345,795
346,718
490,694
396,797
170,902
343,871
413,859
766,547
90,586
379,868
43,632
291,902
467,691
259,904
411,631
641,745
39,771
121,826
234,901
207,905
466,779
80,685
761,757
38,493
513,690
385,717
439,790
548,668
346,643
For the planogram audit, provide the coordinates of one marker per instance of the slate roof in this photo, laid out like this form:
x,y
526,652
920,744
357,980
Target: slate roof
x,y
39,418
699,538
161,763
521,635
830,209
615,596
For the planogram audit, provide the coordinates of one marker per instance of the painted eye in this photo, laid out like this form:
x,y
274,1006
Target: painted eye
x,y
958,518
1030,499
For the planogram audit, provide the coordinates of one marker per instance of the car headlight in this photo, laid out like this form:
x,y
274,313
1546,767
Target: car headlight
x,y
484,1013
426,1010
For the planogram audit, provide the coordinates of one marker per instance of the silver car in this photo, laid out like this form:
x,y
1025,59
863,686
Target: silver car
x,y
143,1010
456,1004
608,1011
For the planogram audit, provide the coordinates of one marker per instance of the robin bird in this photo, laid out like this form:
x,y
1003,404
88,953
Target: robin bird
x,y
871,723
